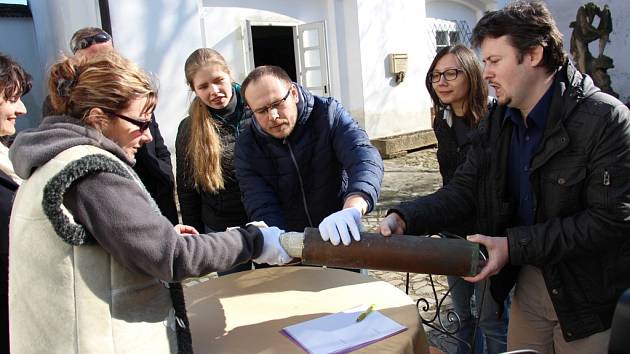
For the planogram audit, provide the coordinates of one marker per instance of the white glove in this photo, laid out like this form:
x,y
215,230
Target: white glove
x,y
272,252
335,226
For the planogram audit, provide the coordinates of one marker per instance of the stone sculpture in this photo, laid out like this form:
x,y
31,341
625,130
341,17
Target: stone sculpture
x,y
585,32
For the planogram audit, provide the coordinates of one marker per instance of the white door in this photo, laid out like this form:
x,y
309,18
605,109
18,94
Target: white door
x,y
248,47
312,57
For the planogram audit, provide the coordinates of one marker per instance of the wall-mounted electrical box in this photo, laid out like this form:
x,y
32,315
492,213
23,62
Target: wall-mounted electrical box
x,y
398,65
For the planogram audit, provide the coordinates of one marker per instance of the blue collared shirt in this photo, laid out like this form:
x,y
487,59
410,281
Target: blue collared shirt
x,y
524,144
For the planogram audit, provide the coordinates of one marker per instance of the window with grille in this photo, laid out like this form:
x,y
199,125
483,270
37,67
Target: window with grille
x,y
444,33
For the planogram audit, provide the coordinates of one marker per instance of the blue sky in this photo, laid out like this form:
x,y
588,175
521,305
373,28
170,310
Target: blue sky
x,y
21,2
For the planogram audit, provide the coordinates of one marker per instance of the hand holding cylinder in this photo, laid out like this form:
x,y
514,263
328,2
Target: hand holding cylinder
x,y
403,253
272,252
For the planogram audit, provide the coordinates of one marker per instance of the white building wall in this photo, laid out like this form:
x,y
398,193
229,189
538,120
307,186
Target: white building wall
x,y
37,42
342,36
54,23
159,36
18,41
224,23
452,10
564,12
395,26
350,62
56,20
358,44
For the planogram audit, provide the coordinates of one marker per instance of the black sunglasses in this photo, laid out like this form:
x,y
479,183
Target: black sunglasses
x,y
88,41
142,124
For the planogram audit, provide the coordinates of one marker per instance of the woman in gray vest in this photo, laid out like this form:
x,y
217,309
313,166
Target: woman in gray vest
x,y
91,256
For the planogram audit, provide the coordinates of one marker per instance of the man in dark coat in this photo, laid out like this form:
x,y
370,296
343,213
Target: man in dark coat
x,y
303,161
547,181
153,160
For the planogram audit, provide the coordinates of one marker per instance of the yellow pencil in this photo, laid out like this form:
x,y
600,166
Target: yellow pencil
x,y
365,313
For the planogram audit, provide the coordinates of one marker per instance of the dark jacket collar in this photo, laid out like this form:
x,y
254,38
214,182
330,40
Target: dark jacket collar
x,y
571,87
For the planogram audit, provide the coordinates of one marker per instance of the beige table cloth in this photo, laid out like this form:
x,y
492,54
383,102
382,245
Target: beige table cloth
x,y
244,312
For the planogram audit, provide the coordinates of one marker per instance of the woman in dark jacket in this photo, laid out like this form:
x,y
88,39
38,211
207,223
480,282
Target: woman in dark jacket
x,y
460,100
209,195
14,83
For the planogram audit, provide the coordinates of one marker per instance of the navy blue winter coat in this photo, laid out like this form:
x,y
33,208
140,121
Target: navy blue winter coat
x,y
296,182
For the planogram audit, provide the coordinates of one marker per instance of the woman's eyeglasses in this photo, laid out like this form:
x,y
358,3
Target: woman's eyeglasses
x,y
449,75
264,110
88,41
142,124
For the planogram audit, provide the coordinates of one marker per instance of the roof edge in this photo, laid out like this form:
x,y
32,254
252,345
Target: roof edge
x,y
15,10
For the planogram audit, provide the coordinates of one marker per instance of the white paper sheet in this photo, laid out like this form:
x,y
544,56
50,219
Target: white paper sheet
x,y
341,333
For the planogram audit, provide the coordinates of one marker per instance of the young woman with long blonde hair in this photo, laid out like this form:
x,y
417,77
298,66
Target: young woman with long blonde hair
x,y
209,195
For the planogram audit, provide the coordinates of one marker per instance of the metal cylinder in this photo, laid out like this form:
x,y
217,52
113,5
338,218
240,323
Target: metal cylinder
x,y
400,253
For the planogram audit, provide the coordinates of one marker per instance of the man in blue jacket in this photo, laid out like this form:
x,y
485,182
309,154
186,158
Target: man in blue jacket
x,y
303,161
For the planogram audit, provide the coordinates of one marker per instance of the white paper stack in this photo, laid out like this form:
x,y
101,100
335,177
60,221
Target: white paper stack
x,y
340,332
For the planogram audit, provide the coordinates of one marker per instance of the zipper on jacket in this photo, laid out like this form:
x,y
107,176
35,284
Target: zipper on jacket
x,y
297,168
606,178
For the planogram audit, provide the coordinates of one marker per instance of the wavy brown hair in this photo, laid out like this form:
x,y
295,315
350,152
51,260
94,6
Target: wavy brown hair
x,y
476,104
204,148
14,80
107,81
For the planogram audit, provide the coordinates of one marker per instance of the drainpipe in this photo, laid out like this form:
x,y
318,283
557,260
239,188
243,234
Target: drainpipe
x,y
106,21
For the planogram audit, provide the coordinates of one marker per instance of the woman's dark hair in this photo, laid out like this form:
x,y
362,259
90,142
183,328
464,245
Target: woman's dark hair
x,y
476,103
14,81
527,24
